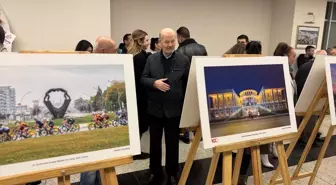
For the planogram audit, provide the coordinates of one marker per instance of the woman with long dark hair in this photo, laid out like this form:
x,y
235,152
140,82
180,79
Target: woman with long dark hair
x,y
84,45
283,49
154,45
137,48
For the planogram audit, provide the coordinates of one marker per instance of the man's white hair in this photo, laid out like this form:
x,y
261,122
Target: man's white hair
x,y
166,31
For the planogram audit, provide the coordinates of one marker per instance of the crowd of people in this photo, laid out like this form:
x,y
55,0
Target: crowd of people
x,y
161,77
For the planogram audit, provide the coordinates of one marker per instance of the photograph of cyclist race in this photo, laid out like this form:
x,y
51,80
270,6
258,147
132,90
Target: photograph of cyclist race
x,y
58,110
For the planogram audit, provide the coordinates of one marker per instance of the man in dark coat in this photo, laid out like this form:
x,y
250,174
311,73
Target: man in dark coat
x,y
300,79
190,48
304,58
165,77
122,49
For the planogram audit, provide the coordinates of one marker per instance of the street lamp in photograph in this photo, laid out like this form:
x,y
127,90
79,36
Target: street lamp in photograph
x,y
21,105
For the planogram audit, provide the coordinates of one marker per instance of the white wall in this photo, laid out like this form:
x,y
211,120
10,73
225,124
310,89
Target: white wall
x,y
58,24
215,24
282,23
302,7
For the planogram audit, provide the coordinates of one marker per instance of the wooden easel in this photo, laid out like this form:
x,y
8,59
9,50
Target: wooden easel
x,y
191,155
228,177
320,95
106,167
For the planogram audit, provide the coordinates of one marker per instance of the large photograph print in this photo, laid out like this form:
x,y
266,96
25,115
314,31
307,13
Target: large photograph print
x,y
59,110
246,101
330,63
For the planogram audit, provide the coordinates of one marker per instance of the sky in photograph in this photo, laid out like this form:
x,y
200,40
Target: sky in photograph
x,y
333,76
239,78
32,82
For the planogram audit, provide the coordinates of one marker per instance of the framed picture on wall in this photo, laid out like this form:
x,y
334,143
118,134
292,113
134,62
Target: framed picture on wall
x,y
307,36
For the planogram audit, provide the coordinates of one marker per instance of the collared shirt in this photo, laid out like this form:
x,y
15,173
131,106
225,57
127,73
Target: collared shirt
x,y
167,57
167,62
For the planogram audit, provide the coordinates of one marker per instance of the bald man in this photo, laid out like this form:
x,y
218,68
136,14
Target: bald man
x,y
108,46
321,52
105,45
165,76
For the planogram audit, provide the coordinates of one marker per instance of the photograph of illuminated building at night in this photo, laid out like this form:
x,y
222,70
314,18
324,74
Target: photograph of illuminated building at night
x,y
333,88
246,98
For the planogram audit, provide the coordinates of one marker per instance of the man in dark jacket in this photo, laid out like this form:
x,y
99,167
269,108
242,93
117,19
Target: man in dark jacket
x,y
300,79
165,77
189,46
122,49
304,58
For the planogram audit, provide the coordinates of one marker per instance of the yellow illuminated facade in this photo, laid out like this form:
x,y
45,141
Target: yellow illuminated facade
x,y
228,104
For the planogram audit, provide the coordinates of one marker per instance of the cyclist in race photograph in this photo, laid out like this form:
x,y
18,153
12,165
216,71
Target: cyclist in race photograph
x,y
38,124
51,124
68,123
71,122
4,129
48,123
98,120
105,116
4,133
123,115
23,127
65,123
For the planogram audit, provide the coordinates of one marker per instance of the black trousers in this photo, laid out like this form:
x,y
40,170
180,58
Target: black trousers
x,y
309,127
142,117
170,127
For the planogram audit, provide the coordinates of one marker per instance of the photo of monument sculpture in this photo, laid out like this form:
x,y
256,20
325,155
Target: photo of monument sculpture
x,y
245,98
62,109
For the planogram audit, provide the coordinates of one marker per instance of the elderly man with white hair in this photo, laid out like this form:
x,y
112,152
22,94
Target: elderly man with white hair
x,y
165,77
104,45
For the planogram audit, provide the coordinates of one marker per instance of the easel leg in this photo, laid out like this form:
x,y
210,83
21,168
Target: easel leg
x,y
108,176
237,165
191,157
283,163
310,141
212,169
64,180
227,168
256,165
302,126
321,155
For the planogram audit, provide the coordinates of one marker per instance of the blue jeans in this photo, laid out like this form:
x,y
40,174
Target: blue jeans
x,y
90,178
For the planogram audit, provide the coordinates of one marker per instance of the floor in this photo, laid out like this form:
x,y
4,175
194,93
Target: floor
x,y
134,174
